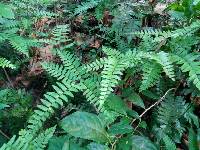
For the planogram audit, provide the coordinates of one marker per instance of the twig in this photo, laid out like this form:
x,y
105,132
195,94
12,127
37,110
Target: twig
x,y
145,111
153,105
8,78
4,134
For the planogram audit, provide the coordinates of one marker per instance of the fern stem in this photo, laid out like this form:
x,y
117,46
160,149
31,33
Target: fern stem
x,y
153,105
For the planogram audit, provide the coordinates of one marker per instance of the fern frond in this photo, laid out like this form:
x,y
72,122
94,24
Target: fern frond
x,y
6,11
162,35
169,144
72,63
7,146
96,65
19,44
112,52
170,110
151,74
188,64
57,71
84,6
60,34
111,73
6,63
168,118
40,14
164,60
8,24
92,91
41,141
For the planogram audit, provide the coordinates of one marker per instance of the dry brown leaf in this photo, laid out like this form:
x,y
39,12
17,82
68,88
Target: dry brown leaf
x,y
96,44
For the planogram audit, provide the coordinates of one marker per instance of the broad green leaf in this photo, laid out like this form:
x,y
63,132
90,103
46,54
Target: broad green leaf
x,y
132,96
143,125
121,127
142,143
6,11
108,117
63,143
96,146
85,125
125,143
133,114
116,104
136,100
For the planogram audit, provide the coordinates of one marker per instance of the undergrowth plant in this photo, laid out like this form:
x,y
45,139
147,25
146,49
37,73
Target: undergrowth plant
x,y
137,88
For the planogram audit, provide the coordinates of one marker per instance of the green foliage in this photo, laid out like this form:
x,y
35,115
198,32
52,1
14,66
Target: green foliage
x,y
169,144
6,63
123,76
140,142
93,128
6,11
84,6
193,143
151,74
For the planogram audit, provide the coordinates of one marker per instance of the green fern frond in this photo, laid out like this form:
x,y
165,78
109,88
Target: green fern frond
x,y
169,144
170,110
188,64
92,91
60,34
41,141
6,11
162,35
41,14
6,63
112,52
111,73
57,71
164,60
19,44
96,65
8,24
84,6
151,74
72,63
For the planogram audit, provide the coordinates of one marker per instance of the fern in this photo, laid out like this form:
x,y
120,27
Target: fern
x,y
148,61
6,63
162,35
168,118
164,60
169,144
111,73
171,110
19,44
85,6
6,11
96,65
151,74
92,91
188,64
42,140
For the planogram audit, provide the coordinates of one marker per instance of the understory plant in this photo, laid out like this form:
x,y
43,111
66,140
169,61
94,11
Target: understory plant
x,y
118,75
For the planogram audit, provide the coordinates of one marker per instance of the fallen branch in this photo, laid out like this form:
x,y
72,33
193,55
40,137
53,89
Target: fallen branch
x,y
153,105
